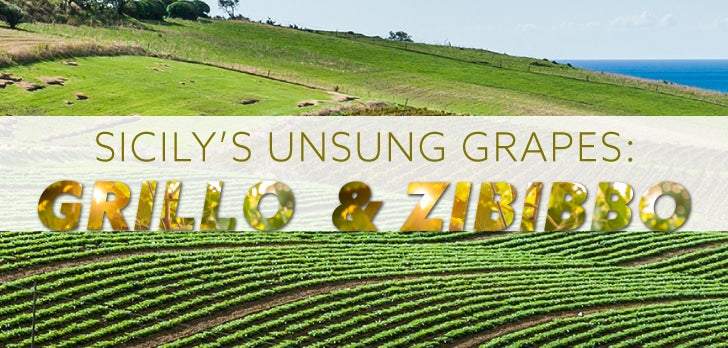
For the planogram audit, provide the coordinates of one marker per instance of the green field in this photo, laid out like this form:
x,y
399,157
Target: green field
x,y
152,86
580,289
461,81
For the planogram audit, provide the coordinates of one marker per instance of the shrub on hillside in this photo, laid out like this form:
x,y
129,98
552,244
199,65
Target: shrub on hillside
x,y
182,9
190,10
202,8
11,14
134,9
35,10
147,9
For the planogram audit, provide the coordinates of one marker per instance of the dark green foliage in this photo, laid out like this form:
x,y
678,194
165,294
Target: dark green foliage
x,y
189,10
147,9
74,12
120,6
94,12
182,9
202,8
135,9
35,10
400,36
11,14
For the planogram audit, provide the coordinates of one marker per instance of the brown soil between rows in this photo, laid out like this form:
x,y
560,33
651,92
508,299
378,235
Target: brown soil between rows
x,y
477,340
87,260
207,323
672,253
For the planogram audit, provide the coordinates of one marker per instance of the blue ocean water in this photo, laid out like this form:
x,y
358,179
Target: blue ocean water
x,y
705,74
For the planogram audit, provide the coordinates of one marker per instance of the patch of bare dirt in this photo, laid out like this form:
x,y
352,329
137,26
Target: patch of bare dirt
x,y
58,81
250,101
488,236
81,96
69,63
5,83
29,86
307,103
341,98
10,77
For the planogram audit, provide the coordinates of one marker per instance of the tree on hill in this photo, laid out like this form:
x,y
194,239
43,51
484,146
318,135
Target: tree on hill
x,y
189,10
400,36
11,14
203,9
228,6
120,6
147,9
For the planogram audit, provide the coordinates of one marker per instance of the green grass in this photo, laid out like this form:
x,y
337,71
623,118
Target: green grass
x,y
439,78
539,66
151,86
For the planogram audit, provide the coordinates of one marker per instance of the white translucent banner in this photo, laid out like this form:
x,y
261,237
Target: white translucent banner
x,y
640,151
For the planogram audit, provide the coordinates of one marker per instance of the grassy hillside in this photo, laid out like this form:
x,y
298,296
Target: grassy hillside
x,y
151,86
370,289
539,66
441,78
